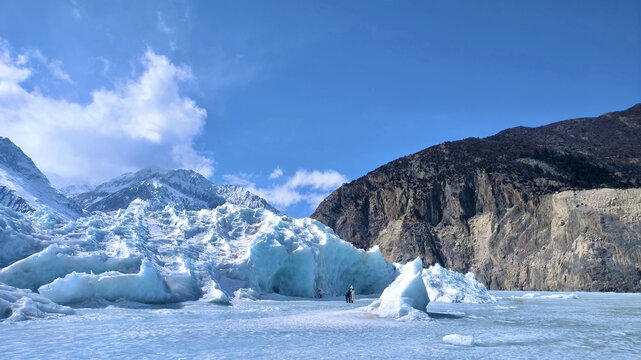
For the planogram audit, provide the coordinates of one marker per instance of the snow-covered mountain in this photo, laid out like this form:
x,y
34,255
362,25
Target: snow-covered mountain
x,y
76,189
181,189
24,188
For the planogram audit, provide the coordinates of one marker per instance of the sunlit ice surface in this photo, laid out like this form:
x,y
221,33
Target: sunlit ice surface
x,y
520,325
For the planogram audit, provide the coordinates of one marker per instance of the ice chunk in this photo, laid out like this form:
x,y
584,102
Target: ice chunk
x,y
449,286
406,298
245,294
16,237
20,304
461,340
547,296
147,286
560,296
56,261
214,294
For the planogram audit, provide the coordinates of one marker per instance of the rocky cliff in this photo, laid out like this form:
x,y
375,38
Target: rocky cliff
x,y
556,207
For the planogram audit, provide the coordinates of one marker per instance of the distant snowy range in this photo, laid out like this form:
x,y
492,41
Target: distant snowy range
x,y
164,264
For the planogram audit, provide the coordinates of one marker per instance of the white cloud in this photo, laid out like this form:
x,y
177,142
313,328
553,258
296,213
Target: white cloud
x,y
325,180
144,121
278,172
305,186
240,180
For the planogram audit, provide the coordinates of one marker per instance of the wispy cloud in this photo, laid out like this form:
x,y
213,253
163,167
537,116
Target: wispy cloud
x,y
278,172
310,187
162,24
105,65
75,12
54,66
144,121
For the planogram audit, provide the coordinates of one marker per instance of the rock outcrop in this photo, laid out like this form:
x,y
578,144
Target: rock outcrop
x,y
551,208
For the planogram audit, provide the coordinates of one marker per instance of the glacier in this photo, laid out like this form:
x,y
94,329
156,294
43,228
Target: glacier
x,y
169,255
160,236
148,255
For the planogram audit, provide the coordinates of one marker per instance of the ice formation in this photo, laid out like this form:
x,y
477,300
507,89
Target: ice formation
x,y
547,296
16,237
449,286
57,261
147,286
165,249
20,304
406,298
456,339
158,256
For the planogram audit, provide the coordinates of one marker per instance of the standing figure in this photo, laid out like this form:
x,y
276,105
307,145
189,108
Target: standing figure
x,y
349,297
319,292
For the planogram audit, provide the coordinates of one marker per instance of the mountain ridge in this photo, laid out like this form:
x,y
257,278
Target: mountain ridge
x,y
180,188
23,187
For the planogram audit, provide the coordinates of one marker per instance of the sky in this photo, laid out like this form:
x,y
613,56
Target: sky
x,y
293,98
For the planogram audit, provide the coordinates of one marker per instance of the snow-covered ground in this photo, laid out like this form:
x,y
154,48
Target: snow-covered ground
x,y
586,326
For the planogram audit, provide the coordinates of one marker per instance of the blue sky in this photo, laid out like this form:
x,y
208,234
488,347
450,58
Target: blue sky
x,y
292,98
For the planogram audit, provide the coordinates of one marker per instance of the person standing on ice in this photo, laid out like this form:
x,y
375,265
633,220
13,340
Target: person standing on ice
x,y
319,292
349,296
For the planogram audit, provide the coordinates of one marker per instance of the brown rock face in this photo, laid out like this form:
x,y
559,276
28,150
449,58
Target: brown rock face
x,y
551,208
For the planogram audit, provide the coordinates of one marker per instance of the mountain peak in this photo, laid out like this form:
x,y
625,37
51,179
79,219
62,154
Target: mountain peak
x,y
23,187
180,188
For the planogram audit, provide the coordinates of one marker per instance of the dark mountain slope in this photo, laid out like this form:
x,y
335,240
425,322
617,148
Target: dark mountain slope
x,y
551,208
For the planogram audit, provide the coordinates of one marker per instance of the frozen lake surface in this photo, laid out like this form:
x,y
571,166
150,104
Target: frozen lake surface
x,y
521,325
